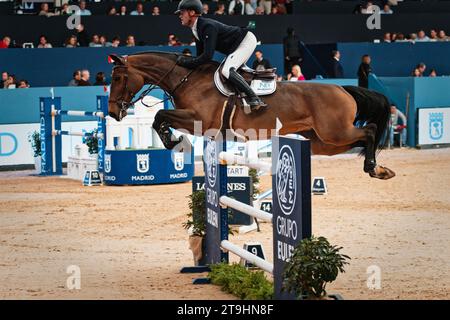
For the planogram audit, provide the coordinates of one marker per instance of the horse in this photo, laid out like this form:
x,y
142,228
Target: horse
x,y
334,118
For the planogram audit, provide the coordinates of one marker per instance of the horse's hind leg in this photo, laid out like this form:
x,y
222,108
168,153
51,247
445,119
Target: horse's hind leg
x,y
318,147
177,119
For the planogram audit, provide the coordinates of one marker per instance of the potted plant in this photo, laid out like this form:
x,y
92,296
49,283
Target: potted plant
x,y
91,140
196,224
314,263
35,139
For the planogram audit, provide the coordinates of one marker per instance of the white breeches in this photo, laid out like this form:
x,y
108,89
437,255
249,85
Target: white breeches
x,y
240,55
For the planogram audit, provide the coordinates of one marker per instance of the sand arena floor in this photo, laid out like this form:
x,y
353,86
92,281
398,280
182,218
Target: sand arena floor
x,y
129,242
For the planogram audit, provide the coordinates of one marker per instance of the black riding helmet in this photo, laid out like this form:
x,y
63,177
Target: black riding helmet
x,y
195,5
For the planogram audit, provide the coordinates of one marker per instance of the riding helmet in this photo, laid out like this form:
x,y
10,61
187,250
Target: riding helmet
x,y
195,5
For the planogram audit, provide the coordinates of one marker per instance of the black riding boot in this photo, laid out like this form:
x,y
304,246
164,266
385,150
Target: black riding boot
x,y
252,99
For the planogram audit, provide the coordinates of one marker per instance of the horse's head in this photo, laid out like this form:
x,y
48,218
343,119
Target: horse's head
x,y
124,86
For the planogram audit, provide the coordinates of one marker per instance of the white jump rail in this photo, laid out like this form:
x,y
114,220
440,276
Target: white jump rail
x,y
245,208
250,257
255,163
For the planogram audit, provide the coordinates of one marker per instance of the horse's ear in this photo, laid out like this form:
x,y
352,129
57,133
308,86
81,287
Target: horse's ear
x,y
117,60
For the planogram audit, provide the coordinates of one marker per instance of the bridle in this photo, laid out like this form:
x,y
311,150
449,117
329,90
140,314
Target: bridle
x,y
124,105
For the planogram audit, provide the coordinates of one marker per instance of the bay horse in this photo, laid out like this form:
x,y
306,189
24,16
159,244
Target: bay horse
x,y
334,118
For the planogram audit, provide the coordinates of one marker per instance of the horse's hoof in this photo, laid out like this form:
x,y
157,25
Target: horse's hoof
x,y
382,173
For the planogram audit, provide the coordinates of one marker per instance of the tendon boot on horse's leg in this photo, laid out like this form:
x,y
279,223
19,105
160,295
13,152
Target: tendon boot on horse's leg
x,y
370,162
167,138
252,99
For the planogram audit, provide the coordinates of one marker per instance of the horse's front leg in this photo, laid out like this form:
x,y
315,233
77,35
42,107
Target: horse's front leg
x,y
176,119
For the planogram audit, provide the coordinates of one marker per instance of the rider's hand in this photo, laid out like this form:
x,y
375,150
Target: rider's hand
x,y
184,61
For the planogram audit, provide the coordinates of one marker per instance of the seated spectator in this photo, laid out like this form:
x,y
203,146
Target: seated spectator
x,y
442,36
100,79
10,82
296,74
173,41
416,73
387,37
84,81
71,42
5,76
139,10
386,10
422,67
83,10
23,84
123,10
259,11
220,9
130,41
267,5
95,42
76,78
433,35
112,11
281,6
260,64
236,7
187,52
45,11
396,127
4,44
368,8
64,11
422,37
274,11
433,73
413,37
104,42
400,37
115,42
43,42
155,11
249,10
205,8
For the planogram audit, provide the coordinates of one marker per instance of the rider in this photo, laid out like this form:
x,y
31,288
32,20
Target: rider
x,y
210,35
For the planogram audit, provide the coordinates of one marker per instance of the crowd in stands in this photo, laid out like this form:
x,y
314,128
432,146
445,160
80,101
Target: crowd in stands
x,y
9,82
420,36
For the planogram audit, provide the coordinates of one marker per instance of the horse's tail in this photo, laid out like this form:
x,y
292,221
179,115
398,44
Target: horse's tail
x,y
373,107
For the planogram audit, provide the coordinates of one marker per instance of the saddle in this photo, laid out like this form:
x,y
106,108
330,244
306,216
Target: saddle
x,y
262,82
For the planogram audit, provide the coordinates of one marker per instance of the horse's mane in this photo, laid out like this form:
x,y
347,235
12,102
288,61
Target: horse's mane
x,y
173,55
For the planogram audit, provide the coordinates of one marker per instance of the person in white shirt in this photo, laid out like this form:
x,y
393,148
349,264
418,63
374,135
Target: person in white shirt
x,y
83,10
139,10
237,7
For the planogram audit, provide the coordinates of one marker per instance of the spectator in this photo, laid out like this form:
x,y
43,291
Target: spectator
x,y
10,82
279,77
422,67
187,52
23,84
416,73
337,70
249,10
205,8
296,74
130,41
387,37
173,41
112,11
292,50
386,9
123,10
236,7
368,8
396,127
260,64
281,7
43,42
104,42
115,42
84,81
259,11
82,36
45,11
4,44
400,38
64,11
433,73
71,42
5,76
441,36
155,11
139,10
83,10
95,41
76,78
413,37
363,71
100,79
433,35
267,5
220,9
422,37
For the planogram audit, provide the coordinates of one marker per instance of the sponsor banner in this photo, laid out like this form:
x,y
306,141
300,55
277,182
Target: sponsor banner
x,y
433,126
